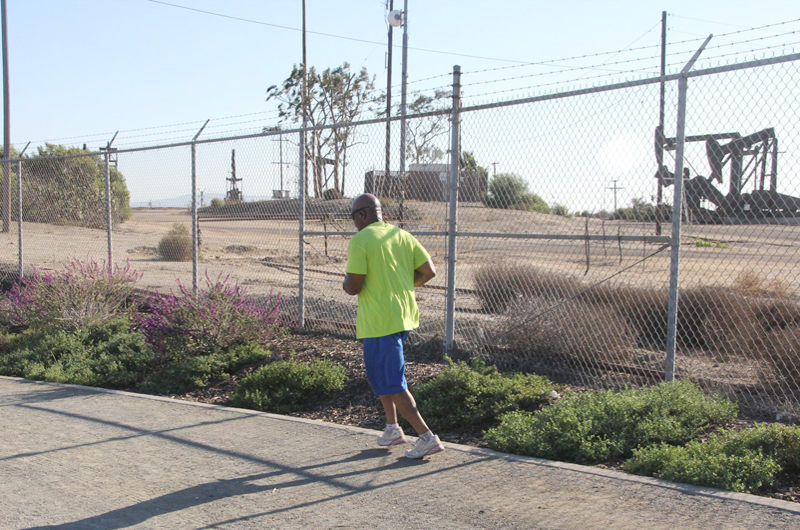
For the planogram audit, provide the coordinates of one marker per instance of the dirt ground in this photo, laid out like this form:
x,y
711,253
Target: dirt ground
x,y
263,254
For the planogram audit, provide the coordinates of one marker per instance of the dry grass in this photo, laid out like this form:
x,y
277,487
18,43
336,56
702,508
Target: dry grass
x,y
782,354
176,245
750,283
500,286
574,335
753,320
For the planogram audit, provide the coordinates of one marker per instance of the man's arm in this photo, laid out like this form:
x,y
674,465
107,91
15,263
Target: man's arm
x,y
424,273
353,282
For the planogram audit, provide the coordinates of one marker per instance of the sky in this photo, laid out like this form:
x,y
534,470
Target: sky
x,y
80,70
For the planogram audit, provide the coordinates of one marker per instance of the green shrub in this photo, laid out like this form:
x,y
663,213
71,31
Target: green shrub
x,y
640,210
560,209
197,372
706,464
602,426
64,189
510,191
107,355
468,395
216,202
177,244
744,461
286,386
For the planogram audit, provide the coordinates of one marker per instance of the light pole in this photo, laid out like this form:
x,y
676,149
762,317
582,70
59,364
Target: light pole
x,y
397,18
5,196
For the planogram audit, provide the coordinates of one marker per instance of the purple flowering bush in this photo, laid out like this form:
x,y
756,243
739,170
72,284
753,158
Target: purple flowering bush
x,y
83,294
222,315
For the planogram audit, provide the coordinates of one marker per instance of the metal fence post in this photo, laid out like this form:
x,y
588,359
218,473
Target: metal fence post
x,y
194,219
677,206
195,231
19,214
301,214
453,213
108,213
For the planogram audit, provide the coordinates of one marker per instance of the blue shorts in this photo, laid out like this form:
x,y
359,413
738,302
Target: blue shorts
x,y
386,367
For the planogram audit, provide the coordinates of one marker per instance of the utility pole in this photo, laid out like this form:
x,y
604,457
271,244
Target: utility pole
x,y
404,82
5,196
660,131
305,104
280,141
615,188
388,103
494,166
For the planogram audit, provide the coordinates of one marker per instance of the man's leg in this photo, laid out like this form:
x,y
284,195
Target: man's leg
x,y
389,408
407,406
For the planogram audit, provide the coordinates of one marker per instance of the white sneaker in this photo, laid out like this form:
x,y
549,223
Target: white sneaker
x,y
391,436
425,447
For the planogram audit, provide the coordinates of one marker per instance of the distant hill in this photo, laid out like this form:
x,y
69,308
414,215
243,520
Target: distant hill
x,y
184,201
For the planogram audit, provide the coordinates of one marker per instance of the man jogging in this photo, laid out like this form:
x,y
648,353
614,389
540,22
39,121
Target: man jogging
x,y
384,265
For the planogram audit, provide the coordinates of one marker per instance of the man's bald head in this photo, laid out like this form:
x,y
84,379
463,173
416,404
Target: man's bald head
x,y
365,210
367,200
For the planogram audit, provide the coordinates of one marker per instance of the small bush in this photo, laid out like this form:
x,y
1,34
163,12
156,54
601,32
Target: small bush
x,y
644,310
286,386
719,319
83,294
221,315
197,372
468,395
744,461
106,355
498,286
560,209
177,244
216,202
781,353
602,426
332,194
571,336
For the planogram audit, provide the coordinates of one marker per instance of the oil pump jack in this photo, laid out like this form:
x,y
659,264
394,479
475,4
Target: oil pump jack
x,y
753,161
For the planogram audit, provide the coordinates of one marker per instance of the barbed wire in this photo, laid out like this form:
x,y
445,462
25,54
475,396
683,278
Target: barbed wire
x,y
108,134
650,46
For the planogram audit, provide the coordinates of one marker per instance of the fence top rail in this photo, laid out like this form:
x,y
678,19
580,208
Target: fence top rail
x,y
445,112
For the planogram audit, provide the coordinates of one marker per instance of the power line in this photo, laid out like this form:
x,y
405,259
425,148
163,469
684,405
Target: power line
x,y
251,21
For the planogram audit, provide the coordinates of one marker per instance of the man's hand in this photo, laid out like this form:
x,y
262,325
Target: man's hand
x,y
424,273
352,283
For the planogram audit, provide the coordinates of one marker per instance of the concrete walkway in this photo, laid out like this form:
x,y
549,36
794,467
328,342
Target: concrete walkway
x,y
80,458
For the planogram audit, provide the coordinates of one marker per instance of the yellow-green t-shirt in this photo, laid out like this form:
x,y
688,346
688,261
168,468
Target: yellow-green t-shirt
x,y
388,257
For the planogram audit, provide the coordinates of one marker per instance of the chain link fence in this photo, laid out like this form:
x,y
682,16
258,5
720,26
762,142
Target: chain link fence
x,y
563,240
